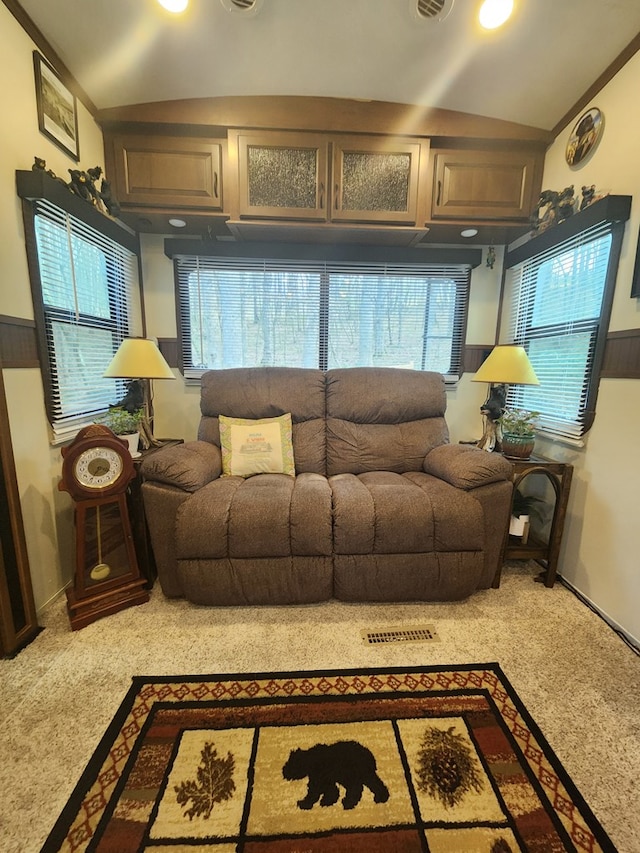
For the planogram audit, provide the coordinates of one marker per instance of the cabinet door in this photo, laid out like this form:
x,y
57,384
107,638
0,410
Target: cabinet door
x,y
168,171
484,184
375,179
282,175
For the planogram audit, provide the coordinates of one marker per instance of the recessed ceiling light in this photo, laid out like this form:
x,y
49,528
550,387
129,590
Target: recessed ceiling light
x,y
177,223
493,13
469,232
174,5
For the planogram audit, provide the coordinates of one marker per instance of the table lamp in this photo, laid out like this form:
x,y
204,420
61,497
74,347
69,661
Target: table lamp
x,y
140,360
506,365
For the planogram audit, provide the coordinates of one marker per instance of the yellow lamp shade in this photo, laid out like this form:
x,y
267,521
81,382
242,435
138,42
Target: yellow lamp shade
x,y
507,365
138,358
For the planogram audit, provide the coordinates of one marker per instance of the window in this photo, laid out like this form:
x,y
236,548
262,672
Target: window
x,y
247,312
560,300
86,293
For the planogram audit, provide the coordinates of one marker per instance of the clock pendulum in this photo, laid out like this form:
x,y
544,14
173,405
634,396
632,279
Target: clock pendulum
x,y
96,471
101,570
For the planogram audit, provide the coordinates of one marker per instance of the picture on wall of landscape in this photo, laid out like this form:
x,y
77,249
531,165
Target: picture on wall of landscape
x,y
57,108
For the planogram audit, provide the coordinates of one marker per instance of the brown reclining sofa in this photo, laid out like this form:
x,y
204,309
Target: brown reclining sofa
x,y
381,507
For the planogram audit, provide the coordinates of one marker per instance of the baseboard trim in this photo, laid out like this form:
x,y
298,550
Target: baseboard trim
x,y
625,636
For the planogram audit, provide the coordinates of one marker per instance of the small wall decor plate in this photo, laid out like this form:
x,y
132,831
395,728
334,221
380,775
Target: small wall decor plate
x,y
585,136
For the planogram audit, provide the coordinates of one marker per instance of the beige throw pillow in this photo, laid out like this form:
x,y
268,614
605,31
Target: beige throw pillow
x,y
262,446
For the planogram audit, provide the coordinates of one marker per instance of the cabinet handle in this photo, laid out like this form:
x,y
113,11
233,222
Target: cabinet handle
x,y
321,194
439,193
215,184
337,199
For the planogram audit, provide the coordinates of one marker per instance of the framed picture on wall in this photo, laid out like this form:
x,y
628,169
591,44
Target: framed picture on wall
x,y
57,108
584,137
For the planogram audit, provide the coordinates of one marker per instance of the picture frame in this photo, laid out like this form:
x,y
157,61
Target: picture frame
x,y
635,281
57,108
584,137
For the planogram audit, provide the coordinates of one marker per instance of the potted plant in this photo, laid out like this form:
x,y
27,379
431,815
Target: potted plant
x,y
518,432
125,424
522,508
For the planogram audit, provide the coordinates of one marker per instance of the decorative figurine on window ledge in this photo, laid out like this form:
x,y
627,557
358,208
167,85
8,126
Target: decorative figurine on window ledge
x,y
83,185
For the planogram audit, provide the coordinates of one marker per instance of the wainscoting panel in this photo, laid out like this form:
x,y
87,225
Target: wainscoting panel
x,y
622,355
18,343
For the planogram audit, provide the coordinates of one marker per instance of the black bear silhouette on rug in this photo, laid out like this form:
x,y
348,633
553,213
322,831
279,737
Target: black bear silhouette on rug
x,y
346,763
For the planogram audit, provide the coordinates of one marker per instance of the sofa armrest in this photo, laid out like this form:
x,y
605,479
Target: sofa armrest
x,y
187,466
466,466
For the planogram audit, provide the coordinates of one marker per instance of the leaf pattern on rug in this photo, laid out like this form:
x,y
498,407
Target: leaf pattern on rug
x,y
446,768
214,783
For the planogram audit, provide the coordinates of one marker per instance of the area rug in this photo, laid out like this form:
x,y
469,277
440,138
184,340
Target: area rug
x,y
417,760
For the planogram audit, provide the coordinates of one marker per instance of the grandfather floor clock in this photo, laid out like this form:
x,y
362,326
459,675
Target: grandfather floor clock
x,y
18,620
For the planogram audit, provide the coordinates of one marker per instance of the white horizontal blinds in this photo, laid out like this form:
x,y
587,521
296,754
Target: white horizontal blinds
x,y
557,301
90,298
397,316
250,312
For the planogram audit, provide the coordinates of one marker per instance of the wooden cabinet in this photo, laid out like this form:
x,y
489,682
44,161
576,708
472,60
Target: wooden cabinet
x,y
266,183
495,184
328,178
166,171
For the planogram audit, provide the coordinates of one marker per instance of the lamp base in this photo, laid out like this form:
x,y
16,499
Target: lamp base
x,y
146,434
492,435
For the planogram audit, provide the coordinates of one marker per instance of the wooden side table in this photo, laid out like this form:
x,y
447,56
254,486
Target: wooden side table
x,y
559,475
139,529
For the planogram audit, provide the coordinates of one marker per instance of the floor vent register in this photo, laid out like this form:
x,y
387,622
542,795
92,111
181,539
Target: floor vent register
x,y
417,634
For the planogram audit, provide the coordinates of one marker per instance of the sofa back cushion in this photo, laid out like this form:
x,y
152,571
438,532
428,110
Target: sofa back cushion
x,y
267,392
383,419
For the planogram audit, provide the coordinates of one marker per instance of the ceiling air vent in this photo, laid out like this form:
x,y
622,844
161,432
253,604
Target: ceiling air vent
x,y
246,7
430,10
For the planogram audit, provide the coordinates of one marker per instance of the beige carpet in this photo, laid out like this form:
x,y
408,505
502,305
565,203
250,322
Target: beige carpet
x,y
577,678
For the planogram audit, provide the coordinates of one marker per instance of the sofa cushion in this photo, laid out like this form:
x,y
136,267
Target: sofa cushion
x,y
269,515
267,392
354,448
383,419
261,446
386,513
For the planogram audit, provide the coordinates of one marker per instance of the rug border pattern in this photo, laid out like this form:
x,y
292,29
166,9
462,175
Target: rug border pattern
x,y
80,818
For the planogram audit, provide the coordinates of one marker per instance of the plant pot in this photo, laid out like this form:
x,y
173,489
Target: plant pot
x,y
518,524
133,439
517,446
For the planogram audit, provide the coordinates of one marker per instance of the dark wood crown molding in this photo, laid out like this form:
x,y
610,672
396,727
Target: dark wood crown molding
x,y
332,115
49,53
607,75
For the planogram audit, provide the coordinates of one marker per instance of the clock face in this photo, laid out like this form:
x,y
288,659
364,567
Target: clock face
x,y
98,467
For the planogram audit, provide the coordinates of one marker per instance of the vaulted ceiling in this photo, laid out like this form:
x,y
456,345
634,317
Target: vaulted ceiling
x,y
531,71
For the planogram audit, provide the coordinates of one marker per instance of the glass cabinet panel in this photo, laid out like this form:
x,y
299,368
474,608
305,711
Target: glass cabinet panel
x,y
376,180
282,175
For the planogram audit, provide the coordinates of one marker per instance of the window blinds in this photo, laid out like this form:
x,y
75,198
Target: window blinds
x,y
237,312
90,302
558,305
